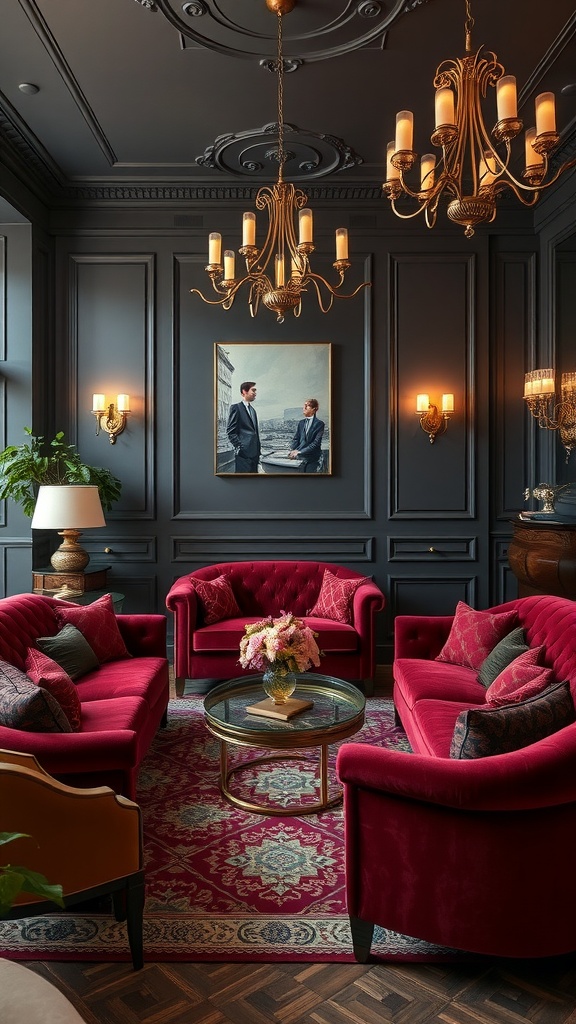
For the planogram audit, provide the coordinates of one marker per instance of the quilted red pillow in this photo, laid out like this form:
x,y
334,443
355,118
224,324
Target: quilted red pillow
x,y
335,598
474,634
522,678
48,674
217,599
98,625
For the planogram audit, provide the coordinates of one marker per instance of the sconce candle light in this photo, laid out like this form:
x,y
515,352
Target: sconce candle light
x,y
433,420
111,418
540,397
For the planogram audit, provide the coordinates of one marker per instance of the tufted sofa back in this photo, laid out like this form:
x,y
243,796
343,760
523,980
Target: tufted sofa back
x,y
23,618
269,588
551,622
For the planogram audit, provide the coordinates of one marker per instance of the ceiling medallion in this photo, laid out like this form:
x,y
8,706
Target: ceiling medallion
x,y
311,154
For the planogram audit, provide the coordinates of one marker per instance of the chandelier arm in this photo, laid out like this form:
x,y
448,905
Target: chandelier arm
x,y
334,289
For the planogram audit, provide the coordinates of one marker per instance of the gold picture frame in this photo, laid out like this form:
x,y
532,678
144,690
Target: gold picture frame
x,y
272,433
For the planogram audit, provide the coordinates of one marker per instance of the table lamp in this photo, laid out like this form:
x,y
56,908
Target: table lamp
x,y
68,508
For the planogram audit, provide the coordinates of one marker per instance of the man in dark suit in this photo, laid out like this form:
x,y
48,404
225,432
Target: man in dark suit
x,y
242,430
307,441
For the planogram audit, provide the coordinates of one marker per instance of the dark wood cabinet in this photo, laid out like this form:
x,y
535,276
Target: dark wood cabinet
x,y
542,557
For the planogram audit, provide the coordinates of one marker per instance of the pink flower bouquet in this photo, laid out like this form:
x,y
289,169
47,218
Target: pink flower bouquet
x,y
287,640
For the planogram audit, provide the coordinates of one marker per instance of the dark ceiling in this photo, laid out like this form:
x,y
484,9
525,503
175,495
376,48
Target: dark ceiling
x,y
167,97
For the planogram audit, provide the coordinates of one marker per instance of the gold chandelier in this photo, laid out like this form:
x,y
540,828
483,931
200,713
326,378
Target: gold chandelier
x,y
286,250
474,166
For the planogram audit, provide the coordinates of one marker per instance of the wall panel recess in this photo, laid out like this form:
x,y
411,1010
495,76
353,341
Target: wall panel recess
x,y
417,595
433,549
198,493
111,350
432,338
340,550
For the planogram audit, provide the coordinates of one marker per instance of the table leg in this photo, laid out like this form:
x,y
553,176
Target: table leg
x,y
324,775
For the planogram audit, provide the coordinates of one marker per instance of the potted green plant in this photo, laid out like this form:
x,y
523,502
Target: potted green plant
x,y
25,467
15,879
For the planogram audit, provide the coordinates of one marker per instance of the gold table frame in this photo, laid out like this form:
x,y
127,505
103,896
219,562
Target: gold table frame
x,y
338,712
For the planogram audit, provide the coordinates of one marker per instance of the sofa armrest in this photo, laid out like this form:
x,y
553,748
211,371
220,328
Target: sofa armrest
x,y
144,635
536,776
181,600
367,600
420,636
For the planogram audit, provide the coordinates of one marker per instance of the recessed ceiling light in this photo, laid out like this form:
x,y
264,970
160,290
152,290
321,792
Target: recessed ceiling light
x,y
568,90
29,88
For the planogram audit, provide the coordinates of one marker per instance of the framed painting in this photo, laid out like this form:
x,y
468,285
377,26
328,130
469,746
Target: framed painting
x,y
272,408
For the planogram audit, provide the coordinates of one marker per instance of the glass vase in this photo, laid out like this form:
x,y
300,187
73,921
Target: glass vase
x,y
278,682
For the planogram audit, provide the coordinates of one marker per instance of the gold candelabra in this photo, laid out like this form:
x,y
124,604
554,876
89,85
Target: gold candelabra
x,y
475,163
285,251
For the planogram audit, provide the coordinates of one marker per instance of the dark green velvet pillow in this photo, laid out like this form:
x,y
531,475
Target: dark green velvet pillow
x,y
71,650
505,652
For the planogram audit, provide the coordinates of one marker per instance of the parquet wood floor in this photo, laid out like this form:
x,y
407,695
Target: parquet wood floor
x,y
499,992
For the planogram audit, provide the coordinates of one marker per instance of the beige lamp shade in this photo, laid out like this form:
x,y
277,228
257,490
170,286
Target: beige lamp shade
x,y
68,508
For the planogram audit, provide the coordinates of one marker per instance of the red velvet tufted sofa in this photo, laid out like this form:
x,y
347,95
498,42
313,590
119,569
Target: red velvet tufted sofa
x,y
122,702
268,588
472,854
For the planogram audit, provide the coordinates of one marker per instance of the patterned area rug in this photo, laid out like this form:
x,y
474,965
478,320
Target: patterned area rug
x,y
223,884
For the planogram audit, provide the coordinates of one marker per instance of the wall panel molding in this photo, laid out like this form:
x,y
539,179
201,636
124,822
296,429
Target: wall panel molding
x,y
347,494
124,549
513,352
3,293
238,549
432,549
416,595
432,350
111,348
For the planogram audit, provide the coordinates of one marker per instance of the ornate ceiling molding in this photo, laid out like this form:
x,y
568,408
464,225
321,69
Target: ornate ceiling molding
x,y
248,31
203,193
254,153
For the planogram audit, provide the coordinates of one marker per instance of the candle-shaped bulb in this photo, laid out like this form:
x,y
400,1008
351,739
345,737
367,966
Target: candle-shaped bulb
x,y
404,130
305,226
229,267
392,173
427,168
280,271
533,159
98,403
341,243
214,247
506,98
422,403
249,229
123,403
444,106
545,113
447,403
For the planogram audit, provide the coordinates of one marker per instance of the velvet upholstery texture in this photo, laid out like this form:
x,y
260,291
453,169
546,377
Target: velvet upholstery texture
x,y
270,588
472,854
48,674
122,702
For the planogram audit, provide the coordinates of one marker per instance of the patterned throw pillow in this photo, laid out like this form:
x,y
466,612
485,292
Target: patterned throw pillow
x,y
48,674
23,705
71,650
485,731
509,648
217,599
522,678
474,634
98,624
335,598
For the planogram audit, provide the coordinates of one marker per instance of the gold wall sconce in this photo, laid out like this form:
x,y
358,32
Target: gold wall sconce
x,y
110,417
432,419
540,397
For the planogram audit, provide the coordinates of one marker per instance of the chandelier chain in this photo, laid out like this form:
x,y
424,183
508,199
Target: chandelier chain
x,y
468,26
280,70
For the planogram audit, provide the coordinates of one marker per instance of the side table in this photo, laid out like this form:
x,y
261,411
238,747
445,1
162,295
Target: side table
x,y
47,579
88,597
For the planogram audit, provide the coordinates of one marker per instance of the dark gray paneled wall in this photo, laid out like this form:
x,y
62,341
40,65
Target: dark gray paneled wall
x,y
429,522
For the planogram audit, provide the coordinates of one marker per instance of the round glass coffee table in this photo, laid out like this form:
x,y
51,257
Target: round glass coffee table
x,y
337,712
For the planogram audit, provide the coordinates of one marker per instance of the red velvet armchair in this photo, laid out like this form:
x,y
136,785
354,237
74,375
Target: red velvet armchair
x,y
268,588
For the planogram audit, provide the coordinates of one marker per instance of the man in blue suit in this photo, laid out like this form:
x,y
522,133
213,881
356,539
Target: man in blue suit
x,y
242,430
307,441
